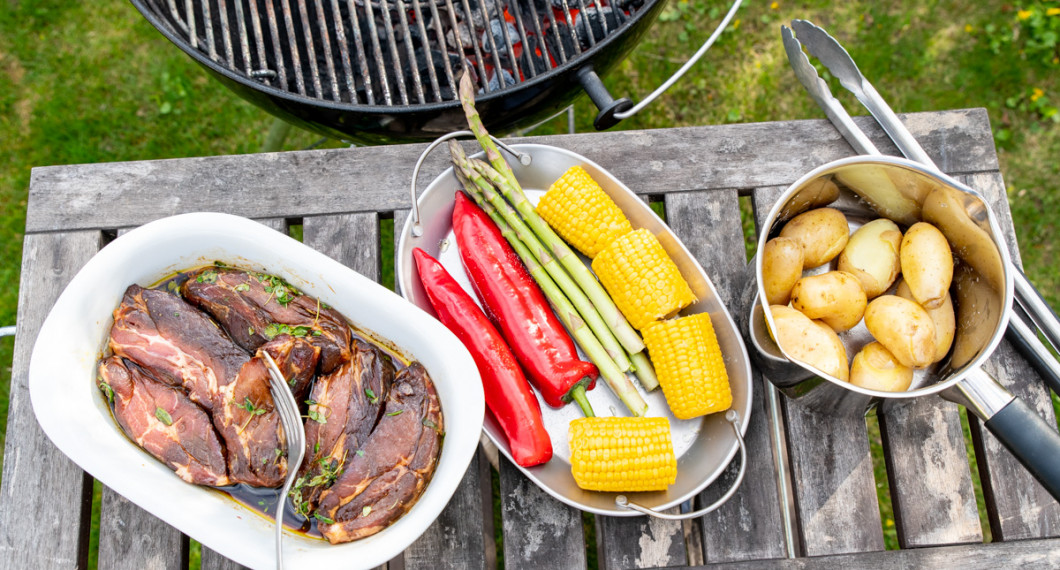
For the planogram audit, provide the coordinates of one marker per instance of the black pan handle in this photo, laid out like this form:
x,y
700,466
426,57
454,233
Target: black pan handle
x,y
1031,440
614,110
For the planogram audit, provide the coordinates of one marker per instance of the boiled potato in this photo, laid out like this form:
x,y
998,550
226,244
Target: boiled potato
x,y
836,298
810,341
927,264
943,318
781,268
871,255
904,328
822,233
876,368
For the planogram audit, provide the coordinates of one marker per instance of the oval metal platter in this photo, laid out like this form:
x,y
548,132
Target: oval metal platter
x,y
704,446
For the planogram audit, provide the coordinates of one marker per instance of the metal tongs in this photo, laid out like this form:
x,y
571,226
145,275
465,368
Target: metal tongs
x,y
1030,307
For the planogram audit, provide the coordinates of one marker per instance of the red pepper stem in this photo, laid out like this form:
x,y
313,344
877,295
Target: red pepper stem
x,y
577,394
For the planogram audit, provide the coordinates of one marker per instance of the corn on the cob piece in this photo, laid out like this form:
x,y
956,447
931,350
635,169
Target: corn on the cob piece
x,y
622,454
689,365
582,213
642,279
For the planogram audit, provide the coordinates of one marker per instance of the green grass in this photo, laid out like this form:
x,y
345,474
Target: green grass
x,y
84,82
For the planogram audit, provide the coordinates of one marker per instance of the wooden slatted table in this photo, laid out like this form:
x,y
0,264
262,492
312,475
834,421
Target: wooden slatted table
x,y
809,498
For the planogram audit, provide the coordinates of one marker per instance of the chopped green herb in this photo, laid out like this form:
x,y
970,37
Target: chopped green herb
x,y
318,417
323,518
395,413
163,416
176,313
365,511
107,390
317,333
290,381
360,453
242,287
371,395
429,423
250,407
219,264
250,331
273,330
316,447
208,276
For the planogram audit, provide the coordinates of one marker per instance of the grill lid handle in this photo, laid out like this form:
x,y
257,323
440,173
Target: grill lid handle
x,y
612,111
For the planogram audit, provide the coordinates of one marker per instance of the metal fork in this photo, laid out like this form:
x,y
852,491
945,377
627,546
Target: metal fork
x,y
294,432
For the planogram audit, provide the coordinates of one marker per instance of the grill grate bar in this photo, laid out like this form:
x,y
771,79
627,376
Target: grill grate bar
x,y
541,43
244,41
362,59
296,60
325,40
525,42
377,52
432,74
307,30
403,52
344,54
391,41
403,19
281,67
208,27
226,36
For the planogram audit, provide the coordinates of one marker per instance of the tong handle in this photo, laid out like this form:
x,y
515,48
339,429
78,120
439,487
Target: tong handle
x,y
1036,308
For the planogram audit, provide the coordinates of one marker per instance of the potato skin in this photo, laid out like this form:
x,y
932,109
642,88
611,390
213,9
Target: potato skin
x,y
836,298
904,328
875,368
781,268
927,264
810,341
943,317
822,232
871,255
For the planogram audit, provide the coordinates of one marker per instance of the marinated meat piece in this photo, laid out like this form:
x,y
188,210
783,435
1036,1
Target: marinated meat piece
x,y
165,422
346,407
297,360
176,341
255,308
381,484
184,347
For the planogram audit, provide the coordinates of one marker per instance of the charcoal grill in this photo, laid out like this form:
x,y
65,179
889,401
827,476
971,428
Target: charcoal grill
x,y
378,71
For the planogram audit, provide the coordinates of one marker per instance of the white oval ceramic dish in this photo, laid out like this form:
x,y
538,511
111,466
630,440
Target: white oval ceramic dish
x,y
704,446
75,416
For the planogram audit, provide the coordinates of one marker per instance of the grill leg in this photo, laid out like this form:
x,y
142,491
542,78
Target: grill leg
x,y
277,135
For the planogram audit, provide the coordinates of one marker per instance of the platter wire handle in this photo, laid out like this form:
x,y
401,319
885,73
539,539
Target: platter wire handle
x,y
733,417
417,228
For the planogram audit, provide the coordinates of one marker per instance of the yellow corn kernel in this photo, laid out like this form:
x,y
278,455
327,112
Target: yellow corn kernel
x,y
582,213
689,365
622,454
642,279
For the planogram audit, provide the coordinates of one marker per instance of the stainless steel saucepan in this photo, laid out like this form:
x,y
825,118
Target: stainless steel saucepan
x,y
868,187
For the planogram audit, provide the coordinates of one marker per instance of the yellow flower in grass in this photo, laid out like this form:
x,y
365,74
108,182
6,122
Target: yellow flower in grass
x,y
968,28
1052,12
774,6
1036,94
1023,14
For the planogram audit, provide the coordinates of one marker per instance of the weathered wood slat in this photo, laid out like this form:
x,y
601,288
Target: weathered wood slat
x,y
350,239
1019,508
132,538
539,531
46,498
930,479
835,492
1022,554
749,526
640,542
302,184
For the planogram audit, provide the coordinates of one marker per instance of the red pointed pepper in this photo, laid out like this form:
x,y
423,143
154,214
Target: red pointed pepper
x,y
517,306
508,394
